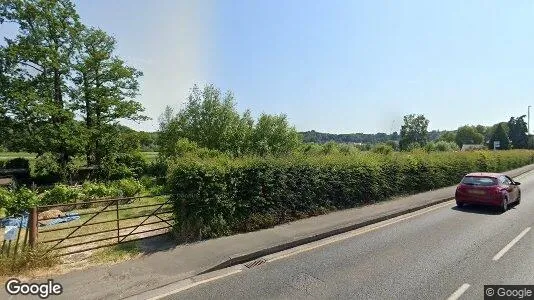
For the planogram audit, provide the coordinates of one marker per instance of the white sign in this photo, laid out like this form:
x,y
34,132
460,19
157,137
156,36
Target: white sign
x,y
11,233
496,144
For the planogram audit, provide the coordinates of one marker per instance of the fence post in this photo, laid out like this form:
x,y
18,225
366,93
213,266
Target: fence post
x,y
32,226
118,225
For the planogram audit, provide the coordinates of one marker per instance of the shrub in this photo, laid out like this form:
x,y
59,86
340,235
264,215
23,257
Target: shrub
x,y
60,194
93,191
128,187
330,148
6,199
46,168
123,165
382,149
446,146
18,201
215,197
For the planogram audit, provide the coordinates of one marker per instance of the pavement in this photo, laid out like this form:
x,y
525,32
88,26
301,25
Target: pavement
x,y
423,244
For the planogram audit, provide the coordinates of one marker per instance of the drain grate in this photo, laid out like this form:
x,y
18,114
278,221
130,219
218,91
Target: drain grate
x,y
255,263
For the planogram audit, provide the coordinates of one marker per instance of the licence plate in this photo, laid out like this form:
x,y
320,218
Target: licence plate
x,y
477,192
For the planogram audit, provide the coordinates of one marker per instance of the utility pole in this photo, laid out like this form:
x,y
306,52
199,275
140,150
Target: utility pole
x,y
528,121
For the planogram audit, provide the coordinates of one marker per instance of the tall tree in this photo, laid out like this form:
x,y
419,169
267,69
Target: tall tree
x,y
104,91
468,135
414,131
209,119
448,136
35,67
273,135
518,132
500,135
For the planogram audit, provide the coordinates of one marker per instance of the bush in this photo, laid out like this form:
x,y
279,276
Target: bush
x,y
46,168
92,191
123,165
6,199
215,197
385,149
446,146
128,187
18,201
60,194
330,148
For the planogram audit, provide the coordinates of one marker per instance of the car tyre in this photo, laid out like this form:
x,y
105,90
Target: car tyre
x,y
504,205
518,199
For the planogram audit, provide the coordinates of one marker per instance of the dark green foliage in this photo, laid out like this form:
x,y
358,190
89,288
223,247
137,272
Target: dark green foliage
x,y
364,138
518,132
119,165
16,163
414,132
215,197
500,134
468,135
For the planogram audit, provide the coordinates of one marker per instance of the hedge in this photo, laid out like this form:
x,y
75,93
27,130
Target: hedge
x,y
216,197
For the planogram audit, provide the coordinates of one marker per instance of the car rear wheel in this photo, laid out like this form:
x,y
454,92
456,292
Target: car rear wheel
x,y
504,205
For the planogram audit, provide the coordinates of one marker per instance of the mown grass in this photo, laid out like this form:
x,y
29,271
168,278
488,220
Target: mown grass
x,y
12,155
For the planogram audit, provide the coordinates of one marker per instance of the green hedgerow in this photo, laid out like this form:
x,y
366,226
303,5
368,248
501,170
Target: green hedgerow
x,y
219,196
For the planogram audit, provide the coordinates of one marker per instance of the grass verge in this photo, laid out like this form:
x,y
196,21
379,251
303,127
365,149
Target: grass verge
x,y
26,261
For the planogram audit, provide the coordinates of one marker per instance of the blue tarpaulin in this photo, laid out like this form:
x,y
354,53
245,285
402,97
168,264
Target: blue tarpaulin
x,y
70,216
15,221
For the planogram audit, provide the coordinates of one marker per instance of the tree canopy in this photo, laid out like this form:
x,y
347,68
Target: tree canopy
x,y
211,121
468,135
414,132
55,70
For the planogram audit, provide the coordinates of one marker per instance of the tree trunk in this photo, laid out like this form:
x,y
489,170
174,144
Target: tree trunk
x,y
59,120
89,150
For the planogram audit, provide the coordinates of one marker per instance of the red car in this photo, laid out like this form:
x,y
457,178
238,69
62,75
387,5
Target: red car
x,y
492,189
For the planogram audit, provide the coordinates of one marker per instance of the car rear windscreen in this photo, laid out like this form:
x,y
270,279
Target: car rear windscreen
x,y
479,181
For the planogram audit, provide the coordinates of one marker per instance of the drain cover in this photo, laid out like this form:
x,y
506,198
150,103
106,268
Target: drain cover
x,y
255,263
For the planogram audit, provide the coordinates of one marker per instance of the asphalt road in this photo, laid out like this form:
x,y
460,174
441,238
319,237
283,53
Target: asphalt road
x,y
429,256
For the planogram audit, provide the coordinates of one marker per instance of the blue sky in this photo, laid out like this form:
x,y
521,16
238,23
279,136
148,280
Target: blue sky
x,y
333,66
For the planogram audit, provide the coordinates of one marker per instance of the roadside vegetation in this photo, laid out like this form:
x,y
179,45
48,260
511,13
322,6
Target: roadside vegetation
x,y
64,92
218,196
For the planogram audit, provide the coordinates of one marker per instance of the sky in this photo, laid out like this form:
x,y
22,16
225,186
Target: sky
x,y
331,66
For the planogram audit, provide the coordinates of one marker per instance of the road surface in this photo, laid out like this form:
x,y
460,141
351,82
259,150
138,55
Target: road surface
x,y
439,253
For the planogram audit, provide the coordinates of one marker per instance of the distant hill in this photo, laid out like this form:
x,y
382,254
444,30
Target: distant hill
x,y
364,138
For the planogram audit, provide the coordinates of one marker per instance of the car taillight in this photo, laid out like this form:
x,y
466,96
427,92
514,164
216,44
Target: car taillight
x,y
496,191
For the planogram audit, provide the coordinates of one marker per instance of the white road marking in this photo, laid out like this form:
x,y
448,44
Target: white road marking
x,y
459,292
185,284
511,244
350,234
